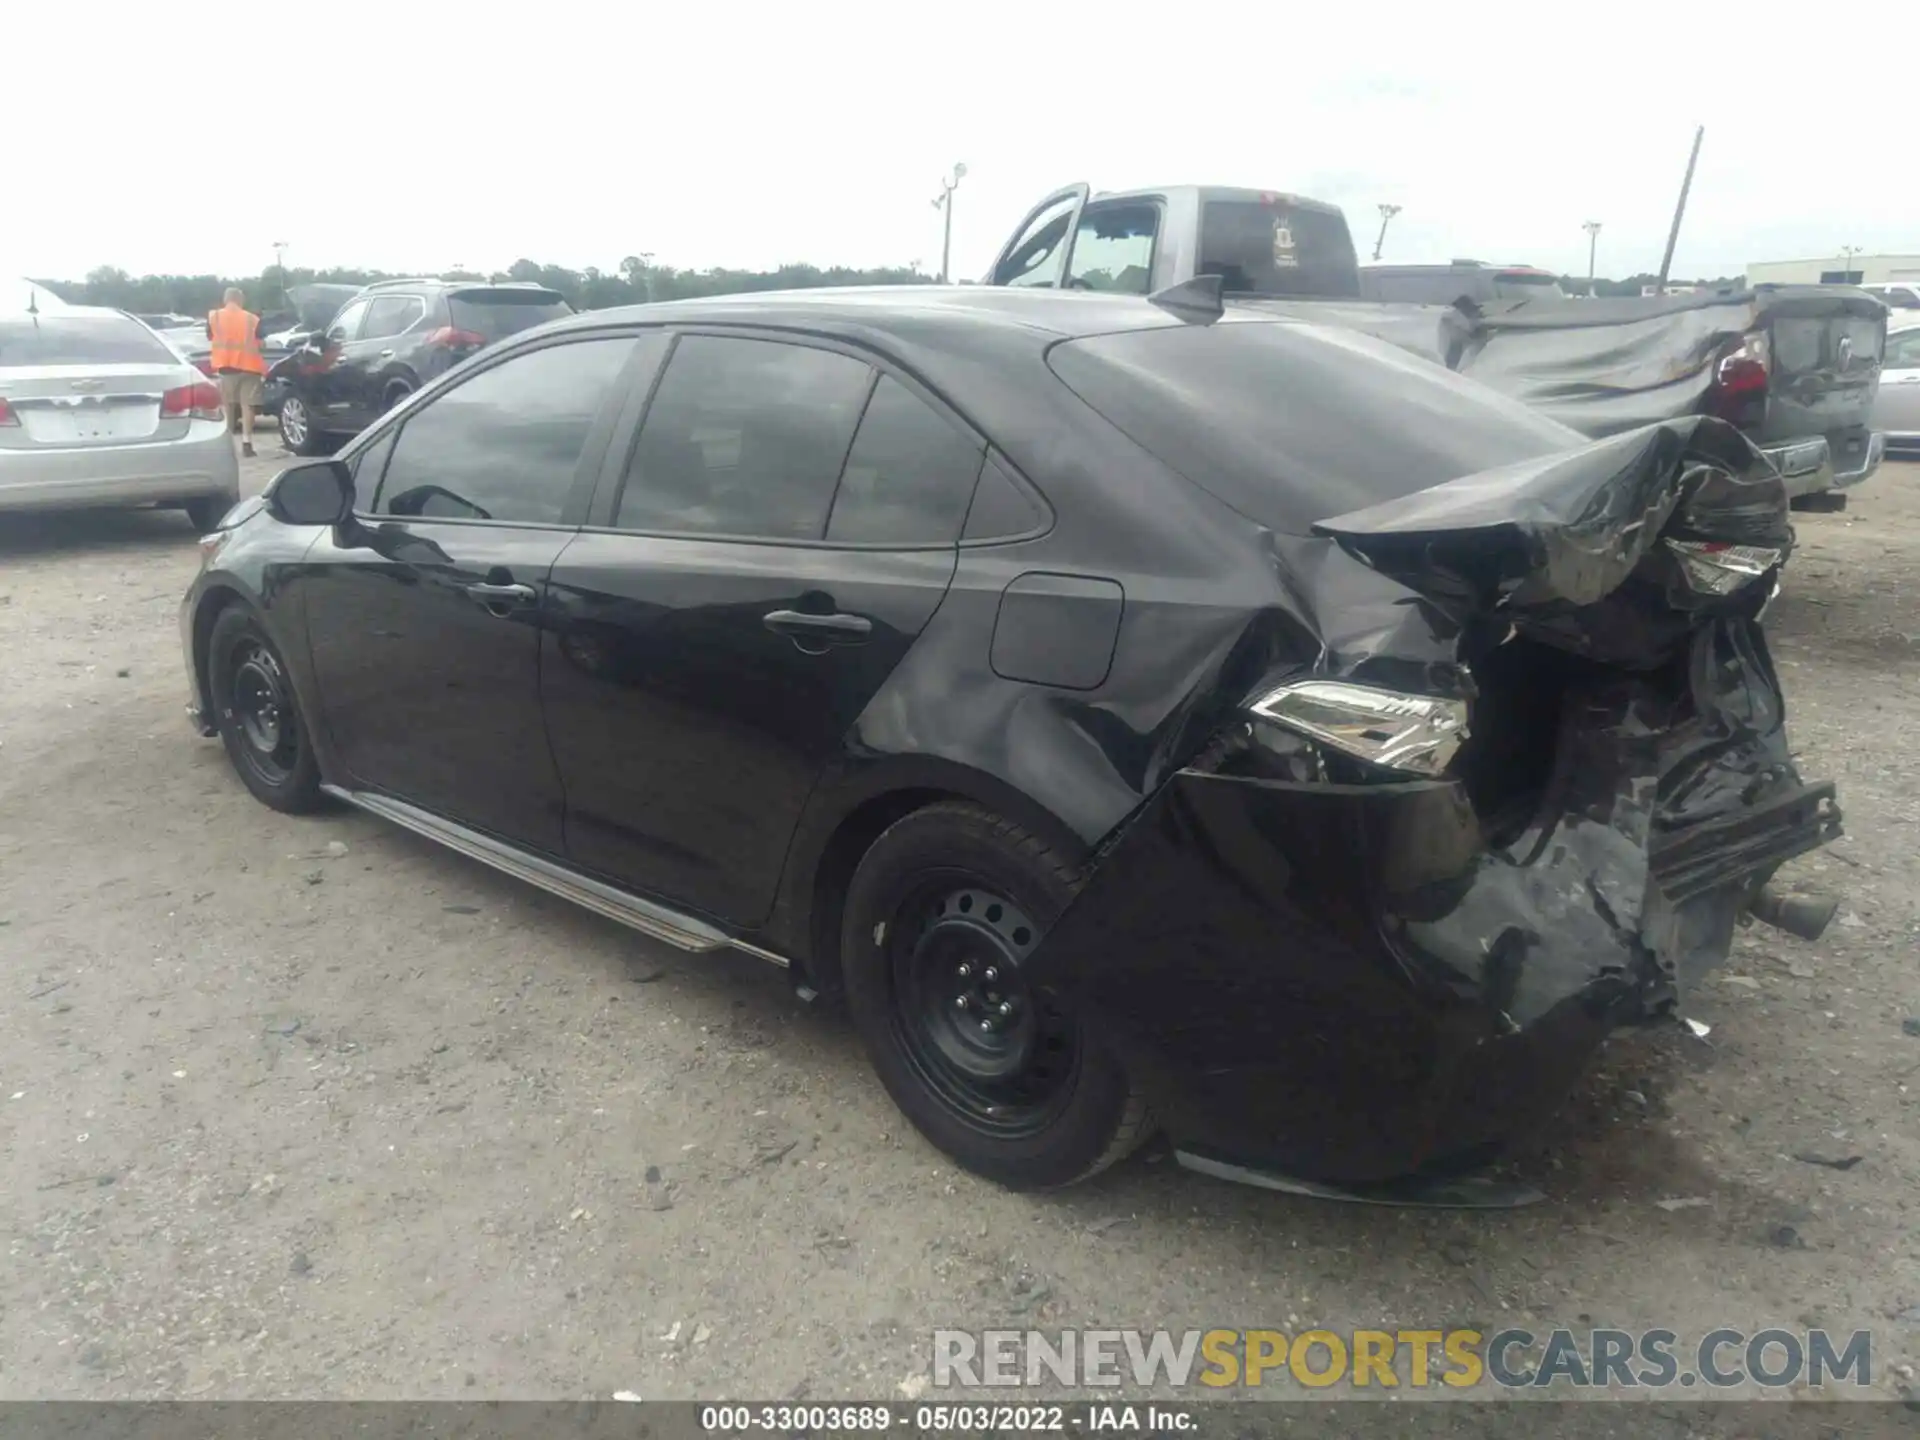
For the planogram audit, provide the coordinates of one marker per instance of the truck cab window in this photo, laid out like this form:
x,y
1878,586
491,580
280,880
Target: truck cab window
x,y
1113,248
1036,257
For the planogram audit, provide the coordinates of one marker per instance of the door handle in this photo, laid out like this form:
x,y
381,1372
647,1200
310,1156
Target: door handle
x,y
498,599
801,626
386,354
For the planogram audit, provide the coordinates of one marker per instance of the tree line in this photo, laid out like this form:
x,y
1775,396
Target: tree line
x,y
634,281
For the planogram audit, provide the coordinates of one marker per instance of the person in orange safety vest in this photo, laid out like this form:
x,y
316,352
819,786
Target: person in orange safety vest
x,y
237,362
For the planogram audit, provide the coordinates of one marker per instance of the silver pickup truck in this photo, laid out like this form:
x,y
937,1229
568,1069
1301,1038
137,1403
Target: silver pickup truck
x,y
1796,367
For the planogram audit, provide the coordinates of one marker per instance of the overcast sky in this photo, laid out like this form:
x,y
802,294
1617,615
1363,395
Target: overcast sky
x,y
425,135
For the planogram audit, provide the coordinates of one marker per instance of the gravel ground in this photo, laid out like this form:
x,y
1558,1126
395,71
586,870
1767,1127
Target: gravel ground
x,y
311,1108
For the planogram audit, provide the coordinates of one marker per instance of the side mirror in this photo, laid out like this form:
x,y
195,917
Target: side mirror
x,y
320,493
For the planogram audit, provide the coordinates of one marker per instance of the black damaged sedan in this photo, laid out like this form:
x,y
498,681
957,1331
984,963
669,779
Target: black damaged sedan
x,y
1147,717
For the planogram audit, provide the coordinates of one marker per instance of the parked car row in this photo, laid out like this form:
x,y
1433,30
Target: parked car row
x,y
1319,781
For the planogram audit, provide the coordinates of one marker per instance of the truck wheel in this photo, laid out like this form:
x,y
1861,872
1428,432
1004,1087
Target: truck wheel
x,y
941,914
258,715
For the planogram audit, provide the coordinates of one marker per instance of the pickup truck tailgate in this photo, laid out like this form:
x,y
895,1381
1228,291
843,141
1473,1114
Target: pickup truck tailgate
x,y
1824,347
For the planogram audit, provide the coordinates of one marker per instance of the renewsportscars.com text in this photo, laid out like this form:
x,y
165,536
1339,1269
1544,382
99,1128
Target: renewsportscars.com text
x,y
1459,1359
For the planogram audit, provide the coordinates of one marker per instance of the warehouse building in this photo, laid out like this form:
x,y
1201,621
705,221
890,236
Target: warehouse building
x,y
1835,270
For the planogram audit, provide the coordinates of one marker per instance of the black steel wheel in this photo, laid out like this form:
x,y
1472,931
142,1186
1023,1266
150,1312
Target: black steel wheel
x,y
998,1053
942,917
258,714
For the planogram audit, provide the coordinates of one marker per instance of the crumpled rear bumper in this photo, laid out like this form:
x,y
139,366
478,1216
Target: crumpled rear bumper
x,y
1343,983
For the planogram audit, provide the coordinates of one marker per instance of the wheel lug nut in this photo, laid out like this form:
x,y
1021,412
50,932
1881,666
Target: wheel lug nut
x,y
986,1024
1006,1007
992,974
965,970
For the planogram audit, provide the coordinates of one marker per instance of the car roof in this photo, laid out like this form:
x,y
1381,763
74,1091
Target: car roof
x,y
1247,193
1058,313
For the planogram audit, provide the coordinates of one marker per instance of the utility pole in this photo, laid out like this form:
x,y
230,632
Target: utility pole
x,y
944,203
1846,276
1387,212
1592,227
1673,235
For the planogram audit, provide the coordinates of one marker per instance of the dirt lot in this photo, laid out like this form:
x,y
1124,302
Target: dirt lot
x,y
313,1108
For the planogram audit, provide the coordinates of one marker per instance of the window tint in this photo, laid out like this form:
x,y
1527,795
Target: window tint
x,y
909,475
1903,351
744,437
102,340
1001,508
1113,248
368,466
504,444
1035,258
391,314
1273,247
346,325
496,314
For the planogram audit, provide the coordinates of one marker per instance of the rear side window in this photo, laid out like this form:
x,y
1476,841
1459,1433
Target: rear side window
x,y
102,340
909,475
504,444
1113,248
743,437
1291,424
390,315
497,314
1271,247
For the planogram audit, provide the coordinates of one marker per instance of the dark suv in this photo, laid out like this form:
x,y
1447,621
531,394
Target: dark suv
x,y
388,341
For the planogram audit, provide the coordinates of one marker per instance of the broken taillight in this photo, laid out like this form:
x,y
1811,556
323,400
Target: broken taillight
x,y
1713,567
1739,391
7,417
198,402
1414,733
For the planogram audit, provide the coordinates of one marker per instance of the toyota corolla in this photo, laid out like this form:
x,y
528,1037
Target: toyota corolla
x,y
1145,716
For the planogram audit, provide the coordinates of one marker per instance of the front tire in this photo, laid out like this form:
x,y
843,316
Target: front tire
x,y
297,430
943,911
258,715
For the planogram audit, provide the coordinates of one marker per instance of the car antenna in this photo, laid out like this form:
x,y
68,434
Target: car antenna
x,y
1195,302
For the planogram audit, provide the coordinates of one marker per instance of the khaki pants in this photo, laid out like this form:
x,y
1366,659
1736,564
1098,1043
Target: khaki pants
x,y
239,387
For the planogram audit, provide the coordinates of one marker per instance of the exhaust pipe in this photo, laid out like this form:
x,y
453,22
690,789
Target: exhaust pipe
x,y
1805,915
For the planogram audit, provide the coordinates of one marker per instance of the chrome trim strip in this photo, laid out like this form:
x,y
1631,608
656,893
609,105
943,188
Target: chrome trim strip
x,y
643,915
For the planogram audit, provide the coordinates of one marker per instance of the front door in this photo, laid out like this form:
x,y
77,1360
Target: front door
x,y
424,615
327,383
785,528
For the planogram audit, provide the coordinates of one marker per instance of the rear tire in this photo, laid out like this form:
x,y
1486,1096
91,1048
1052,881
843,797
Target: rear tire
x,y
258,715
394,394
297,430
940,914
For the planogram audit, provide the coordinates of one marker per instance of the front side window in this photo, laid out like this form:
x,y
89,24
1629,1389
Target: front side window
x,y
909,475
1903,351
1113,248
505,444
743,437
391,315
1037,257
346,325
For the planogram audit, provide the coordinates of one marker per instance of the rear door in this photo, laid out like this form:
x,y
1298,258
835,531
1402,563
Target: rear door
x,y
88,381
782,528
424,616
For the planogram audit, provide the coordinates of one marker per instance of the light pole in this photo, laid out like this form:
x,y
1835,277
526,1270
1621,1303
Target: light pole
x,y
1846,275
1592,227
280,264
944,203
1387,212
646,273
